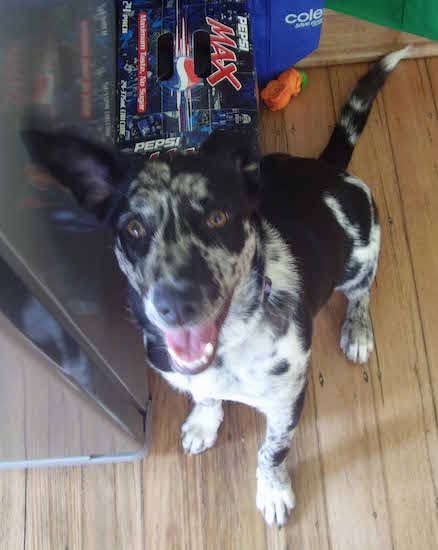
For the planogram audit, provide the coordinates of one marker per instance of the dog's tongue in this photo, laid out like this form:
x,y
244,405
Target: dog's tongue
x,y
190,344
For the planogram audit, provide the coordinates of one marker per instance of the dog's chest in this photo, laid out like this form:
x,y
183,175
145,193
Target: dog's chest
x,y
242,374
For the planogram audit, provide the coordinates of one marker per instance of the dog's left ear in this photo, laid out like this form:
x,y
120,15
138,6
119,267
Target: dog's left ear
x,y
91,171
241,149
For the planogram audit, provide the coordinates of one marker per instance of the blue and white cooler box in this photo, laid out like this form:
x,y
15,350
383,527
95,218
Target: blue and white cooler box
x,y
284,31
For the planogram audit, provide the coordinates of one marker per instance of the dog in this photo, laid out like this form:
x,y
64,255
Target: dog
x,y
229,260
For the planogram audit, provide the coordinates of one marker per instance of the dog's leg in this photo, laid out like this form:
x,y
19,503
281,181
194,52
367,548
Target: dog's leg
x,y
199,431
275,497
363,234
357,340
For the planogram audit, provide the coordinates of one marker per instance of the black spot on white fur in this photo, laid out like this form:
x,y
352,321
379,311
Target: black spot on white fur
x,y
279,311
302,319
297,409
280,368
279,456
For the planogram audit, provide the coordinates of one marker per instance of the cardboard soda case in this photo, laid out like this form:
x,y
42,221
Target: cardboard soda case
x,y
185,69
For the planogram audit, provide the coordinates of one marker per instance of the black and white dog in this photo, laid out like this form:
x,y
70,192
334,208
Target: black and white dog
x,y
229,261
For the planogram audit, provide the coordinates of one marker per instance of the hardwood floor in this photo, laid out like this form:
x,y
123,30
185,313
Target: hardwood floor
x,y
365,457
361,41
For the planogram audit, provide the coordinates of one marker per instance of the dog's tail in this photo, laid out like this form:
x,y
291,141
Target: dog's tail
x,y
355,111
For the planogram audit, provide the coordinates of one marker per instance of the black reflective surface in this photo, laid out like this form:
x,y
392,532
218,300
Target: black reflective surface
x,y
57,67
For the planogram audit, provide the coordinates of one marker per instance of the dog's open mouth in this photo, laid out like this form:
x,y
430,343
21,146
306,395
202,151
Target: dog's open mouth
x,y
193,349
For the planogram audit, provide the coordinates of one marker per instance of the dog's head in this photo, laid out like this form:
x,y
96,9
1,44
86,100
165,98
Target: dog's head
x,y
184,234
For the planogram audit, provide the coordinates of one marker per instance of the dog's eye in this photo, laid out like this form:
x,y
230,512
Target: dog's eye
x,y
135,229
217,219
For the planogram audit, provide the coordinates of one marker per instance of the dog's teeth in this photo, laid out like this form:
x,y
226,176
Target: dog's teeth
x,y
172,354
209,349
193,364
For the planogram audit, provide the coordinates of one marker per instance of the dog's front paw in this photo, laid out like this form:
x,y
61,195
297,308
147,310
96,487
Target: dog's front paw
x,y
357,340
275,499
199,431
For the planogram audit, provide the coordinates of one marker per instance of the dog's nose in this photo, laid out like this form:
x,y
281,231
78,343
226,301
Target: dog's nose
x,y
177,305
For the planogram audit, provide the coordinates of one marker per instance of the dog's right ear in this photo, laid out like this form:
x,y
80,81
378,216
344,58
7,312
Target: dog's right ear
x,y
91,171
242,149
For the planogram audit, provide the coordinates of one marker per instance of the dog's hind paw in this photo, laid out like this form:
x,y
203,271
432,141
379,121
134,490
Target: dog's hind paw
x,y
357,340
199,431
275,499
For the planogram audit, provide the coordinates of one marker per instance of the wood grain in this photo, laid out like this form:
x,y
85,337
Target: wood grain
x,y
54,509
13,510
402,394
173,502
309,118
347,430
432,69
415,146
131,527
346,39
229,476
99,507
112,507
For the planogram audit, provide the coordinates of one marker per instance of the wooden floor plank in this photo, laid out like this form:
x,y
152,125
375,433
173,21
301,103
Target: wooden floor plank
x,y
272,131
432,69
347,427
413,125
402,394
298,129
130,506
229,484
414,138
112,507
54,513
309,118
12,510
173,503
99,507
361,41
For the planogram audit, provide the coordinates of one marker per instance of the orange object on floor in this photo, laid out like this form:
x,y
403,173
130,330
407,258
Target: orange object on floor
x,y
279,92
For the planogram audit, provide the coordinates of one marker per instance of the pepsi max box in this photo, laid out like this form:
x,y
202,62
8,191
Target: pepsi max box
x,y
185,68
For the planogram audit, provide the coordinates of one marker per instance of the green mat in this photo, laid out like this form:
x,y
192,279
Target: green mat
x,y
414,16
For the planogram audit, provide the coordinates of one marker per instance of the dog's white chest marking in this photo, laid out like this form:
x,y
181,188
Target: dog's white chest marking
x,y
245,374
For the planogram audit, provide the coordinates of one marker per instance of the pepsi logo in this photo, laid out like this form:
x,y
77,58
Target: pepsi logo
x,y
184,76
